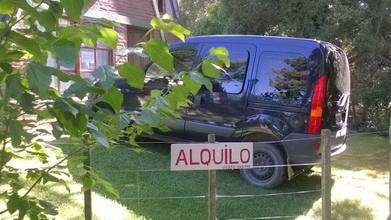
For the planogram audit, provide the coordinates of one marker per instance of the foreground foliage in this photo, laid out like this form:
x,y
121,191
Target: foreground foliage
x,y
30,32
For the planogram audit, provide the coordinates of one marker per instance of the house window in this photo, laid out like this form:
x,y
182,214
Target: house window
x,y
92,58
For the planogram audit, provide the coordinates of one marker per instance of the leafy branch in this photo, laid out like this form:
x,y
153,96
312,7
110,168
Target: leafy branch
x,y
27,92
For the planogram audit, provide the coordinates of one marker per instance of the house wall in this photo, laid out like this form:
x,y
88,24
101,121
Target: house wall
x,y
133,16
141,9
122,43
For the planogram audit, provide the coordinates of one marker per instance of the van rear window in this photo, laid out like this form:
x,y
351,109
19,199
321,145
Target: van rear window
x,y
341,69
282,79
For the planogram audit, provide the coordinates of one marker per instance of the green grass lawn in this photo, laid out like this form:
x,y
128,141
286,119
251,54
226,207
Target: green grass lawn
x,y
148,185
360,185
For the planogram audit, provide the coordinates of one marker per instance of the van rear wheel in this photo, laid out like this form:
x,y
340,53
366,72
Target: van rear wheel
x,y
266,177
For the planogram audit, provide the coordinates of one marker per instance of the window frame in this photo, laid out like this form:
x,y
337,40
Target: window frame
x,y
95,49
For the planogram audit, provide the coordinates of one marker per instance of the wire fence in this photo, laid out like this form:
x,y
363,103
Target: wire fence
x,y
171,195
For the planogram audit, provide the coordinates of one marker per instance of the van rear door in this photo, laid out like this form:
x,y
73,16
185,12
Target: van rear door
x,y
338,96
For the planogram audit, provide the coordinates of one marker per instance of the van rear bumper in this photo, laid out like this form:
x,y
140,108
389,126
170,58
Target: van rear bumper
x,y
305,148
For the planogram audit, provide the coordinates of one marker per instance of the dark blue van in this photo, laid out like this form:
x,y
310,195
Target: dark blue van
x,y
277,89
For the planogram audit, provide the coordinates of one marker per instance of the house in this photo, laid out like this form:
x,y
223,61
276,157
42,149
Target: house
x,y
133,16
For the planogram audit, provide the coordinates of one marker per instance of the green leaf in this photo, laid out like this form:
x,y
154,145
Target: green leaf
x,y
222,54
6,67
114,98
14,86
88,182
73,8
6,7
16,203
26,102
57,130
66,77
193,86
77,89
13,203
66,52
155,93
48,207
211,68
99,136
39,78
8,56
80,90
167,24
150,117
47,19
7,156
161,103
177,97
105,74
17,133
47,177
66,106
28,44
133,73
55,8
159,53
109,37
76,166
198,77
107,186
122,120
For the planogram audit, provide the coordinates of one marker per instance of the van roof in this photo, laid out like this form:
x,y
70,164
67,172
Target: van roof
x,y
250,39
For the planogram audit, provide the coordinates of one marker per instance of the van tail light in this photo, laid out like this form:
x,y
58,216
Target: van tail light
x,y
317,105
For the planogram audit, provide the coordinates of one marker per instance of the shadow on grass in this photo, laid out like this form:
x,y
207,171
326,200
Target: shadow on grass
x,y
347,210
365,152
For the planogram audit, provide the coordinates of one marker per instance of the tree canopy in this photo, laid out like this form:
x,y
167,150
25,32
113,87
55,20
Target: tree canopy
x,y
362,28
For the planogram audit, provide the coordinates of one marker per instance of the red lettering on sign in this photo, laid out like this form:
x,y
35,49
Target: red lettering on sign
x,y
248,156
191,159
231,159
205,157
181,157
225,155
221,156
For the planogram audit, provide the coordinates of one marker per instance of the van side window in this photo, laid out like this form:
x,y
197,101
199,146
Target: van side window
x,y
183,61
232,79
282,79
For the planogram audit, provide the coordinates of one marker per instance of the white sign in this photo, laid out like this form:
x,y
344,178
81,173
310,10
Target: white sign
x,y
211,156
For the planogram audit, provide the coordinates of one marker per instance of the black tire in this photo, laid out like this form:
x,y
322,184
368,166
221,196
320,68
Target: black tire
x,y
267,177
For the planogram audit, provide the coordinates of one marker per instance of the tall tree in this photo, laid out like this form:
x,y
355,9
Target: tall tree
x,y
362,28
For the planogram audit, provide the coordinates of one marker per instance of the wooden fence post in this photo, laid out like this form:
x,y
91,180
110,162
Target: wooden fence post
x,y
389,173
87,166
212,186
326,174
